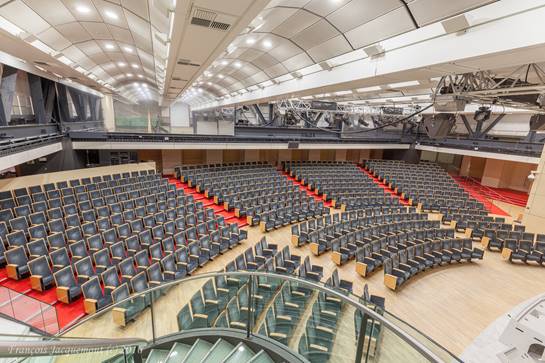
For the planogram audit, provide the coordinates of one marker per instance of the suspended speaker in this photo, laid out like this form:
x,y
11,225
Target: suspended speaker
x,y
438,126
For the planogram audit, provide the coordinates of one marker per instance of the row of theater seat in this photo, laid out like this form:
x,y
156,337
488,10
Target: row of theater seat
x,y
424,184
253,190
356,191
134,227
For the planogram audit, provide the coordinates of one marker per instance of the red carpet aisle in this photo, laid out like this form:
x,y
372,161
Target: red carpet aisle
x,y
208,202
474,192
386,188
305,188
503,195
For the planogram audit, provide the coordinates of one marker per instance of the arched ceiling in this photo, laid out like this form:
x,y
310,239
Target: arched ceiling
x,y
115,42
292,38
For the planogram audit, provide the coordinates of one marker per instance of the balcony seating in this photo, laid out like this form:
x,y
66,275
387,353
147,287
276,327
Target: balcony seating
x,y
68,288
95,298
41,276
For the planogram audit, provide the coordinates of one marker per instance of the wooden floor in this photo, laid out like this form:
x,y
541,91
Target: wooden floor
x,y
451,304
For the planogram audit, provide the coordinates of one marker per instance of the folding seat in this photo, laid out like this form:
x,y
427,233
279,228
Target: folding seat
x,y
102,260
59,259
198,254
72,220
190,220
156,252
393,277
191,235
172,269
145,238
313,272
19,224
68,289
89,229
17,263
41,277
211,250
184,262
406,258
536,255
201,230
149,221
118,252
37,232
139,283
512,252
84,269
37,248
423,256
136,226
129,215
127,269
169,228
519,228
141,258
94,243
16,239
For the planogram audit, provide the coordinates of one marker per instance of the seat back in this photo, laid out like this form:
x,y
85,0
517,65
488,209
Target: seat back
x,y
92,290
65,277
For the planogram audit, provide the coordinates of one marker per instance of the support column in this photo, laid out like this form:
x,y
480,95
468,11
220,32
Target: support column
x,y
36,94
7,92
534,215
108,112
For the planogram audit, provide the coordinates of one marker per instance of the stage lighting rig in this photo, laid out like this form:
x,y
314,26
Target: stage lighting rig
x,y
482,114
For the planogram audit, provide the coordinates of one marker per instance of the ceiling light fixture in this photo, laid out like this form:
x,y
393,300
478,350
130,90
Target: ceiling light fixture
x,y
250,41
121,64
238,65
109,46
129,74
140,76
128,49
111,14
224,63
267,43
135,66
220,76
83,9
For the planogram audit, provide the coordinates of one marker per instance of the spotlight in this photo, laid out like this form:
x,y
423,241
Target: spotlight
x,y
362,122
482,114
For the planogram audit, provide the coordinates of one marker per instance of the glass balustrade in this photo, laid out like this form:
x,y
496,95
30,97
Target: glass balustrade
x,y
321,323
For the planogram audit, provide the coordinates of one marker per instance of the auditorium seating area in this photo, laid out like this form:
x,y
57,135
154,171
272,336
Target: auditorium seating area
x,y
424,184
356,191
88,237
255,190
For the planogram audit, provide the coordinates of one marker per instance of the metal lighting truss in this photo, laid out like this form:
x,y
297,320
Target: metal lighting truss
x,y
522,87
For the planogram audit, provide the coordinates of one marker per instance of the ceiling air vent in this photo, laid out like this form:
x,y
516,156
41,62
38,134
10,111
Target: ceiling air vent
x,y
210,19
40,63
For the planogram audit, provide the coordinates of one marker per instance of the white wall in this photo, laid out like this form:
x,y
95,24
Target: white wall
x,y
179,114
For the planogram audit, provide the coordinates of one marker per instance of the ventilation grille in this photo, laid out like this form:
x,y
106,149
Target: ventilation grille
x,y
187,62
208,19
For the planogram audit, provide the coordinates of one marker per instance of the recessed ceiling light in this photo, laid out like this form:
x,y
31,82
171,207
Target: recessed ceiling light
x,y
109,46
209,83
220,76
83,9
111,14
121,64
224,63
128,49
140,76
129,74
135,66
267,43
238,65
250,41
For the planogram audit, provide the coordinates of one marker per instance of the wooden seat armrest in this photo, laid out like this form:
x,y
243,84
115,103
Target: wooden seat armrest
x,y
90,306
62,294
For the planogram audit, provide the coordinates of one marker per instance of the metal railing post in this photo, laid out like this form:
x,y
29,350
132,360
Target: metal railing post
x,y
250,299
152,316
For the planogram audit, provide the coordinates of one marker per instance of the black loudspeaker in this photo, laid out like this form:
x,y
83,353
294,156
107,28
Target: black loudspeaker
x,y
439,126
537,122
293,145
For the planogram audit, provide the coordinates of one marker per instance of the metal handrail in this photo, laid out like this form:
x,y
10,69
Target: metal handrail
x,y
411,341
492,192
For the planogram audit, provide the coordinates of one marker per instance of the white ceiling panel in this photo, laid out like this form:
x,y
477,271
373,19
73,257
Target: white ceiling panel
x,y
74,32
265,61
121,34
97,30
358,12
393,23
276,71
52,11
273,18
315,34
429,11
324,8
139,7
90,12
299,61
22,15
329,49
285,51
296,23
54,39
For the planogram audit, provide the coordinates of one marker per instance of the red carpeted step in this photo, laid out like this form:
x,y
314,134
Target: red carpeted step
x,y
474,193
68,314
386,188
311,193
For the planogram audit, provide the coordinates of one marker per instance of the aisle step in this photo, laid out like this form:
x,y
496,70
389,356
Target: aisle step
x,y
241,353
218,352
177,353
197,352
